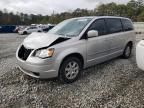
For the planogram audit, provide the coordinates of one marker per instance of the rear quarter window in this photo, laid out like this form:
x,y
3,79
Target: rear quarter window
x,y
127,25
114,25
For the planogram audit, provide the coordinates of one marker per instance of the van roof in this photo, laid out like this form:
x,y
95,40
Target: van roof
x,y
95,17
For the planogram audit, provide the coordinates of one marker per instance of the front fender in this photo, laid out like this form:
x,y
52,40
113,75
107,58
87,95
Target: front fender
x,y
67,52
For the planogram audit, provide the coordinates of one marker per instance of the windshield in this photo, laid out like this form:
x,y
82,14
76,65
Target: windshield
x,y
71,27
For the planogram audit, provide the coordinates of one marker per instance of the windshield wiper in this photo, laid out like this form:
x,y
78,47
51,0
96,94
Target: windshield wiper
x,y
64,36
70,35
61,34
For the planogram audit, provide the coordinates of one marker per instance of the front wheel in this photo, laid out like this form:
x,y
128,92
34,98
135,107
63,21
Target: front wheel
x,y
24,33
127,51
70,70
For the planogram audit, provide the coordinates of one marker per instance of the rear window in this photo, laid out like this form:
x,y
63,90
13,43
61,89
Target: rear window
x,y
114,25
127,25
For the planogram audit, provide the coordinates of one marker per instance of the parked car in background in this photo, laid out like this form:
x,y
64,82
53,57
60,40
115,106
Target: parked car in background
x,y
30,29
75,44
49,27
18,28
140,54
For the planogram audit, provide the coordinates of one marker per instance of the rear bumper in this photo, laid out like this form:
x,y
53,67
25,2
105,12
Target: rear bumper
x,y
20,32
140,55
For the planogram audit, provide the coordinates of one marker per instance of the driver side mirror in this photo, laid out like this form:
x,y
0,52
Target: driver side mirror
x,y
92,33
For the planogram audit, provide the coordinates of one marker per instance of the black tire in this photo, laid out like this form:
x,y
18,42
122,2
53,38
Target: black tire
x,y
127,51
39,31
24,32
62,71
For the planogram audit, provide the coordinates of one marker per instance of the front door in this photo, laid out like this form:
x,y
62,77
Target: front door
x,y
98,47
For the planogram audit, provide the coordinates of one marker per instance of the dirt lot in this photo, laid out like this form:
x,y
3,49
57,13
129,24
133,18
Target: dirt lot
x,y
114,84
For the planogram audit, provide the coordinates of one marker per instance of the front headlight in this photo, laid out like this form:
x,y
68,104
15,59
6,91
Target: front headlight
x,y
44,53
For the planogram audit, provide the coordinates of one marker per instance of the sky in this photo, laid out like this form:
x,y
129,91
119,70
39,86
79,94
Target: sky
x,y
47,7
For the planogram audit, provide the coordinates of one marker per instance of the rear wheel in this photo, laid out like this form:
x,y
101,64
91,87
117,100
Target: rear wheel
x,y
127,51
70,70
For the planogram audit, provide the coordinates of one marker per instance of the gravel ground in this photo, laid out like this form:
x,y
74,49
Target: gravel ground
x,y
117,83
8,46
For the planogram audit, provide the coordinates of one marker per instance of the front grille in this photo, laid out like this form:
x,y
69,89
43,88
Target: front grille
x,y
24,53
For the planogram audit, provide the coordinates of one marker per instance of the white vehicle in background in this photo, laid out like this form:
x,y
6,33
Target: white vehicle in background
x,y
140,54
19,28
30,29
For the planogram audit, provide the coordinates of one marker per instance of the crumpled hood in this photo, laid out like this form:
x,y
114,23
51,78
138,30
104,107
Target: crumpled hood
x,y
39,40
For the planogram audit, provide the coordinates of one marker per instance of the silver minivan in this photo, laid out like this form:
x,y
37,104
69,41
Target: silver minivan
x,y
75,44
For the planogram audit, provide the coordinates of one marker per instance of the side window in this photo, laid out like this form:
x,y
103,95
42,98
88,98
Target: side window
x,y
114,25
127,25
30,28
34,27
99,25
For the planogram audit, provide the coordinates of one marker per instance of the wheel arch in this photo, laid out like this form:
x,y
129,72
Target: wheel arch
x,y
77,55
130,43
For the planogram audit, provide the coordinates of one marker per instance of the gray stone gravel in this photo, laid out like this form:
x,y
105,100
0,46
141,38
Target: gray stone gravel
x,y
117,83
8,46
